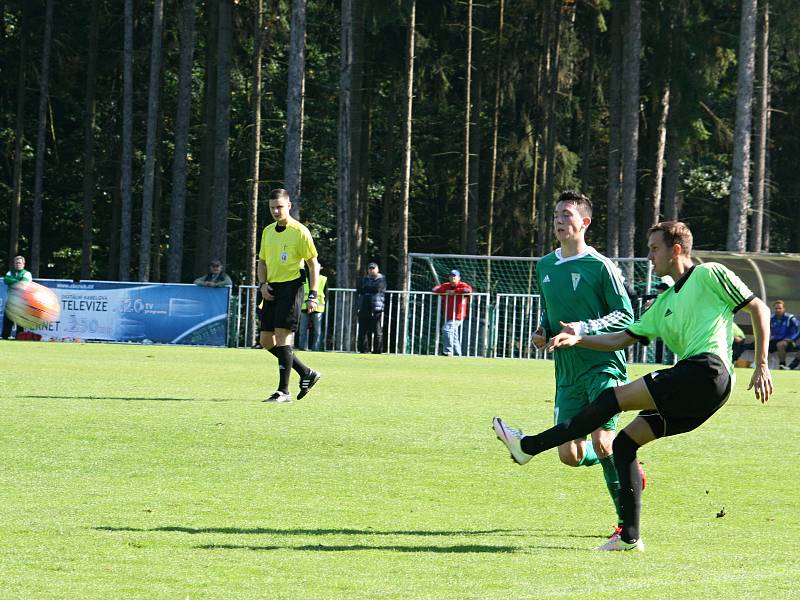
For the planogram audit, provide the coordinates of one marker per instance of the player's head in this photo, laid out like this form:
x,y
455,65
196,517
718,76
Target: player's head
x,y
668,242
19,263
279,205
779,308
572,216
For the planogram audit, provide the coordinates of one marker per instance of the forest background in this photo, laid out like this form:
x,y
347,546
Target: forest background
x,y
138,140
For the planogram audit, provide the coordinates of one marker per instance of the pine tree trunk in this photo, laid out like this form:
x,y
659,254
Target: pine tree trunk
x,y
672,171
88,145
614,132
661,144
19,135
38,181
154,95
739,202
402,251
344,217
293,157
475,143
467,130
259,45
202,229
551,128
126,178
219,203
498,98
632,49
762,134
177,214
588,103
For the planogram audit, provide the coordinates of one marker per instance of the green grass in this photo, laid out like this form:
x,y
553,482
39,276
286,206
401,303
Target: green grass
x,y
151,472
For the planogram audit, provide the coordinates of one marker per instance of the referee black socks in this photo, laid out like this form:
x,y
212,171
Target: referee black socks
x,y
285,358
582,424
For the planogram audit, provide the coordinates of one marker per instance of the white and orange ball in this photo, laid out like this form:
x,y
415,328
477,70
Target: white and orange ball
x,y
31,305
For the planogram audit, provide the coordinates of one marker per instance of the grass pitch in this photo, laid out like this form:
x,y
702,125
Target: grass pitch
x,y
155,472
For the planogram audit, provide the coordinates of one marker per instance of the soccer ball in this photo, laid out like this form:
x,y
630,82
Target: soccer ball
x,y
31,305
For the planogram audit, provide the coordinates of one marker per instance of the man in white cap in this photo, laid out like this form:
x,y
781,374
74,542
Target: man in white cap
x,y
456,301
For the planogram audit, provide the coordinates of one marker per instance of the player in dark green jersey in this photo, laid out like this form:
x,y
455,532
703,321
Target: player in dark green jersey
x,y
694,318
583,289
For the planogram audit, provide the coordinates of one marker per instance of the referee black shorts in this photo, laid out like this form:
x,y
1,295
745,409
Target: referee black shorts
x,y
687,394
284,311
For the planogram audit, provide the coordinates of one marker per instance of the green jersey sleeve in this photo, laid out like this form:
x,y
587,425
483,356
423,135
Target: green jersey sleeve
x,y
727,286
620,312
544,322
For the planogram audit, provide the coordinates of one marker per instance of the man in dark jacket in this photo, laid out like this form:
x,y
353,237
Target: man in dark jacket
x,y
370,295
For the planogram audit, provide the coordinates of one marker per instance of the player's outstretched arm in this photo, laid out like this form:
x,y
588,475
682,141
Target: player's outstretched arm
x,y
605,343
761,382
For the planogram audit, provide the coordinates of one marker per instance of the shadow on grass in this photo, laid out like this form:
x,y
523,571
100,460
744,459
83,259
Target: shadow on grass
x,y
347,531
465,549
127,398
276,531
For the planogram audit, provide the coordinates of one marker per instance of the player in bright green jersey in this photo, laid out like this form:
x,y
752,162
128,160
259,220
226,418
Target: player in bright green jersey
x,y
695,319
583,292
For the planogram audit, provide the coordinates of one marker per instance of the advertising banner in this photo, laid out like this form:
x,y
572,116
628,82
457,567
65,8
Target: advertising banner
x,y
165,313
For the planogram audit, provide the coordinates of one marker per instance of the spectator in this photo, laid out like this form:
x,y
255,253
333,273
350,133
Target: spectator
x,y
13,277
370,299
312,316
784,332
456,300
216,277
738,342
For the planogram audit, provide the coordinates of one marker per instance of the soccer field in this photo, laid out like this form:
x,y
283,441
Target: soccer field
x,y
156,472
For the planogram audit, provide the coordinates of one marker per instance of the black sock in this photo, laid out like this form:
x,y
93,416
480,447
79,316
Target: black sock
x,y
299,366
794,363
285,359
630,486
582,424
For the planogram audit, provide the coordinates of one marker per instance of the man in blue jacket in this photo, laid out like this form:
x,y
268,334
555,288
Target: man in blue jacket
x,y
370,297
783,328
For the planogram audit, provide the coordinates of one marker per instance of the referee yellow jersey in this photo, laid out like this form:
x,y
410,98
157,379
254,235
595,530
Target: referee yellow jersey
x,y
284,251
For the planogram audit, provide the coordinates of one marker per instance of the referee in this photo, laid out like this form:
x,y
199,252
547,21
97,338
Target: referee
x,y
285,245
694,318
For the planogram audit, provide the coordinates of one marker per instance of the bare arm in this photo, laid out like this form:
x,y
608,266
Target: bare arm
x,y
606,342
313,281
261,275
761,382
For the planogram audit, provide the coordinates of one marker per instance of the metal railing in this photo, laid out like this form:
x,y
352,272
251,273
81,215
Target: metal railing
x,y
498,327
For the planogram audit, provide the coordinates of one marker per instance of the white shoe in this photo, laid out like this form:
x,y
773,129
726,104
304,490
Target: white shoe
x,y
511,438
615,543
279,397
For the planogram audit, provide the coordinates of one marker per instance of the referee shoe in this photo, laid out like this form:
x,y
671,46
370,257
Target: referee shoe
x,y
307,382
511,438
279,397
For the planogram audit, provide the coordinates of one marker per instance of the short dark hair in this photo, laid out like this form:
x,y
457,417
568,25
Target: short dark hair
x,y
674,232
279,194
581,201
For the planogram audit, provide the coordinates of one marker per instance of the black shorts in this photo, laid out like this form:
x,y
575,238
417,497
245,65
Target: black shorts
x,y
790,346
687,394
284,311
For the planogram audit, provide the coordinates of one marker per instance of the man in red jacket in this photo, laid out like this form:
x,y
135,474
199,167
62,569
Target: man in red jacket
x,y
456,300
